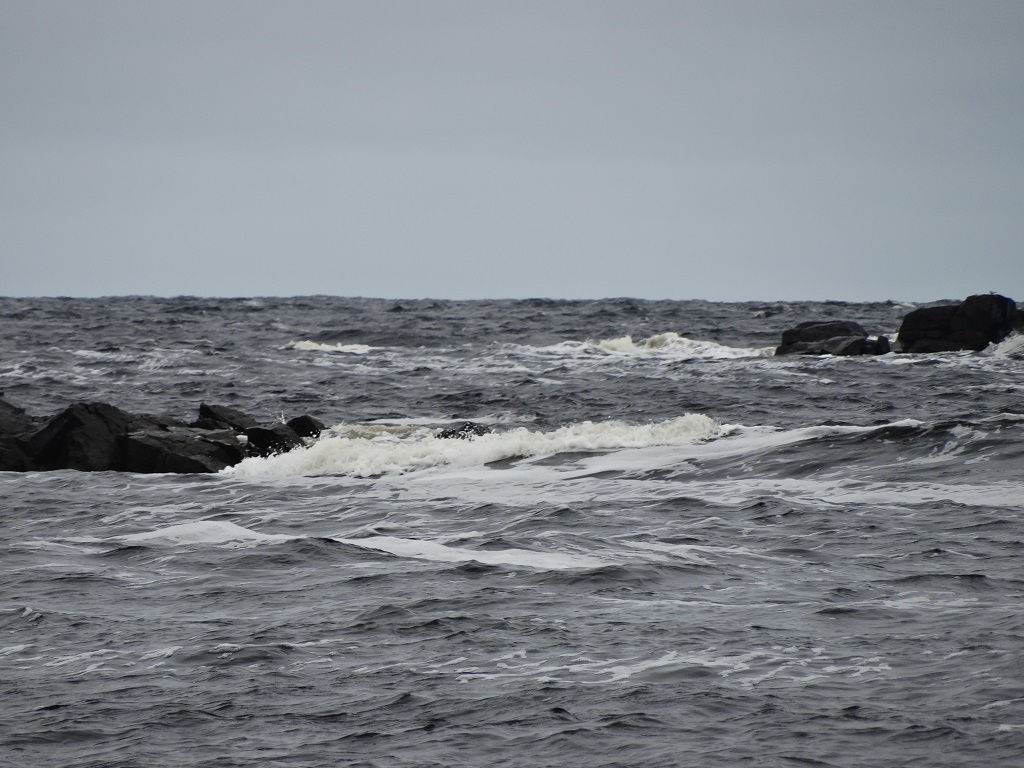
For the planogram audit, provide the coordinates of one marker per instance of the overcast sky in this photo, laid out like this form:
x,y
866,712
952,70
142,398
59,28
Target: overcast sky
x,y
719,150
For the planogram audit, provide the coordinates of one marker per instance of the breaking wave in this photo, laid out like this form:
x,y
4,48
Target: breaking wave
x,y
668,345
372,450
1012,346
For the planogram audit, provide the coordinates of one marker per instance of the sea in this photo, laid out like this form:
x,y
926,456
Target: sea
x,y
672,549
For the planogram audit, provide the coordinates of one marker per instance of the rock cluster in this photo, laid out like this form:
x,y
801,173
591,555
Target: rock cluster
x,y
100,437
972,324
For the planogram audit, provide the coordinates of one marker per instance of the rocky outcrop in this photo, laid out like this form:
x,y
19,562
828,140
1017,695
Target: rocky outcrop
x,y
831,337
95,437
971,325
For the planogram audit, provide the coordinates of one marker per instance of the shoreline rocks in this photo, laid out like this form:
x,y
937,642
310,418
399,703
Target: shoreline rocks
x,y
99,437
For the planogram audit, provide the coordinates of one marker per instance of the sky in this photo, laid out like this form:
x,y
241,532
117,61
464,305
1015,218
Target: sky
x,y
724,150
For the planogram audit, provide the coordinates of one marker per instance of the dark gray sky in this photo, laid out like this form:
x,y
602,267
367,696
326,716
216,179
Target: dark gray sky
x,y
720,150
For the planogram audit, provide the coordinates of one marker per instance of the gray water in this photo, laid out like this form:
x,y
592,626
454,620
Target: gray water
x,y
819,566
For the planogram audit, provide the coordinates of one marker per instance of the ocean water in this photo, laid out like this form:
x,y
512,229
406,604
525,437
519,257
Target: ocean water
x,y
673,550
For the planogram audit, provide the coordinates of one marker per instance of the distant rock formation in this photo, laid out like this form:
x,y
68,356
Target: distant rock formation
x,y
972,324
97,437
830,337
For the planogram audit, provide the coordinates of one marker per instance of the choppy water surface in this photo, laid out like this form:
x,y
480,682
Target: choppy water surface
x,y
674,550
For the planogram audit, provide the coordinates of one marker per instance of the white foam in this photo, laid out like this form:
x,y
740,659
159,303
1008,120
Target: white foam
x,y
668,345
671,344
372,450
315,346
1012,346
203,532
431,550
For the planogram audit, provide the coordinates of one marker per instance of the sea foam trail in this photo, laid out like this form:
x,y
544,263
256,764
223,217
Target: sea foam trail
x,y
316,346
203,532
364,452
222,533
437,552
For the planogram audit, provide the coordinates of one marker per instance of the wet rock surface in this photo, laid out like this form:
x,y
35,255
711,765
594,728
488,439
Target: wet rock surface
x,y
99,437
973,324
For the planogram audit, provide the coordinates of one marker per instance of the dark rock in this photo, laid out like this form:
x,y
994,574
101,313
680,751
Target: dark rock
x,y
990,313
464,431
878,346
971,325
815,330
14,455
831,337
161,421
180,450
842,346
307,426
14,420
1018,323
266,441
84,436
925,329
221,416
101,437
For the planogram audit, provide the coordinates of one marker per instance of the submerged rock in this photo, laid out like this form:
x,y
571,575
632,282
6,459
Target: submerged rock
x,y
831,337
464,431
973,324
